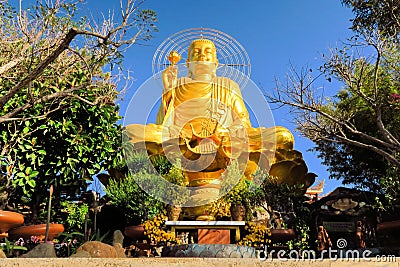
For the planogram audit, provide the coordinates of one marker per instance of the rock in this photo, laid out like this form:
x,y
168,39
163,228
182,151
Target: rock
x,y
120,250
81,254
2,254
118,241
43,250
98,249
118,237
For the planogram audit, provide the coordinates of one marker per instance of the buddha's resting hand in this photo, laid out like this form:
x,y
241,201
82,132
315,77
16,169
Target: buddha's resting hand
x,y
169,77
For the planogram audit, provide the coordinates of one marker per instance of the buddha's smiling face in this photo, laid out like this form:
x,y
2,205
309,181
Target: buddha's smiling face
x,y
202,51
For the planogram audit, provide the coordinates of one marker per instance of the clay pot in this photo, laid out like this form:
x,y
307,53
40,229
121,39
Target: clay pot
x,y
38,230
282,235
135,232
237,212
388,227
9,219
174,212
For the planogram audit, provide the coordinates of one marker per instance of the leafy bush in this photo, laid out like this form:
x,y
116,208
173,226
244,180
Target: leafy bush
x,y
132,200
76,215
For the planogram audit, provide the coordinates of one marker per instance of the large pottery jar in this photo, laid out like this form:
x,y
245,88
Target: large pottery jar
x,y
135,232
39,230
9,219
174,212
282,235
238,212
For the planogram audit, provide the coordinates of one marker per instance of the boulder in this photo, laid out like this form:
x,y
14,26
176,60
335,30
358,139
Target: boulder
x,y
118,240
81,254
120,250
118,237
43,250
97,249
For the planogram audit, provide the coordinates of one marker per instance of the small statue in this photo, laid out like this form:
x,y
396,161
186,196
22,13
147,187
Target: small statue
x,y
360,235
323,240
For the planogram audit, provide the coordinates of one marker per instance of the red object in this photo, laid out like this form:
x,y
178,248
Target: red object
x,y
135,232
9,219
38,230
388,227
282,235
213,236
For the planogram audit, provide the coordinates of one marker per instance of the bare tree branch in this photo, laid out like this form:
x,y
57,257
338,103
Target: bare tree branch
x,y
40,68
320,118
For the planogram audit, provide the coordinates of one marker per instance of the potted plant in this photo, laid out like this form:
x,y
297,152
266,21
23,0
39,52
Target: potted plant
x,y
289,213
137,205
242,199
173,190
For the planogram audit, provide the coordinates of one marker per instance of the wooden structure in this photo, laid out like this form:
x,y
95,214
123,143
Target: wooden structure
x,y
209,232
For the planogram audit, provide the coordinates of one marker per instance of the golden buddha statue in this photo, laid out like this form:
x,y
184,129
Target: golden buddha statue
x,y
203,120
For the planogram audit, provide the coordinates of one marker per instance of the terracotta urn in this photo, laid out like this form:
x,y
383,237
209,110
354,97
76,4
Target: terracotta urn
x,y
135,232
39,230
282,235
9,219
174,212
238,212
388,227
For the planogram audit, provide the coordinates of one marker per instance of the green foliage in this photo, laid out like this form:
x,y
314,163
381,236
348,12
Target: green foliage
x,y
145,20
389,200
302,240
280,196
76,215
369,94
174,190
62,127
134,202
240,193
382,15
290,202
236,188
11,249
70,242
161,164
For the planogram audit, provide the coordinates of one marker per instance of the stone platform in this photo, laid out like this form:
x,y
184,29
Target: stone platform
x,y
192,262
209,251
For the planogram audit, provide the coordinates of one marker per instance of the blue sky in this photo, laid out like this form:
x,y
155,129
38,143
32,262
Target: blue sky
x,y
275,34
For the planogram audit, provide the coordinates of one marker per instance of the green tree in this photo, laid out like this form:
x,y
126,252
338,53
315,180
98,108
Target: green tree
x,y
58,120
370,15
355,128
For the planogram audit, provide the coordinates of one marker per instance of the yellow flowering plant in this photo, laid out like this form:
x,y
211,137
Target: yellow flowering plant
x,y
156,232
256,235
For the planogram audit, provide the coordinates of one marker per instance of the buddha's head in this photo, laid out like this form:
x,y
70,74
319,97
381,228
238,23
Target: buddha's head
x,y
202,59
202,50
